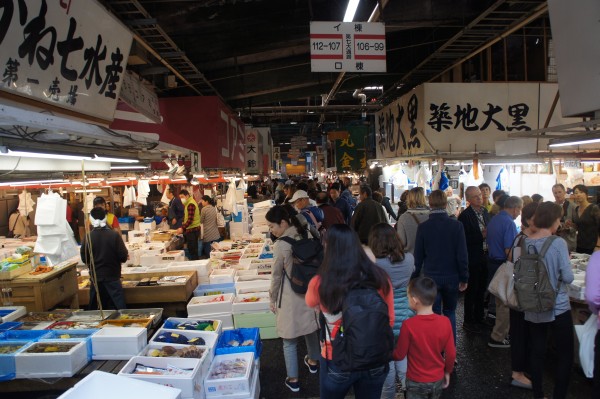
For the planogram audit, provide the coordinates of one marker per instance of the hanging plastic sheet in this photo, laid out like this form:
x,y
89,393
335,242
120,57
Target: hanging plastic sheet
x,y
26,203
164,198
230,198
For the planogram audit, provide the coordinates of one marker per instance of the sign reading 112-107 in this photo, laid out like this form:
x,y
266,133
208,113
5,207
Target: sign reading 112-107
x,y
347,47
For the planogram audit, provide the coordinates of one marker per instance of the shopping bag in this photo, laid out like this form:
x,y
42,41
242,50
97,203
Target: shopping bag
x,y
502,285
586,334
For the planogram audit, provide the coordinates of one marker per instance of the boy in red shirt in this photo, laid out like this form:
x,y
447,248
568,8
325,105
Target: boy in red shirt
x,y
423,338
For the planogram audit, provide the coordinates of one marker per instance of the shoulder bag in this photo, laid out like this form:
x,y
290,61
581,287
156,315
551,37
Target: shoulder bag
x,y
502,285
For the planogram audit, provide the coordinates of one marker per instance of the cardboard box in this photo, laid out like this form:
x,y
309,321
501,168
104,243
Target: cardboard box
x,y
191,385
51,364
116,343
101,385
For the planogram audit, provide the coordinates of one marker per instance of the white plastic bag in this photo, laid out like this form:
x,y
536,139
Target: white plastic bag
x,y
587,334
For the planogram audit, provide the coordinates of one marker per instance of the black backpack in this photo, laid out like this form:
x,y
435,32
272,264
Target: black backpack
x,y
365,339
308,255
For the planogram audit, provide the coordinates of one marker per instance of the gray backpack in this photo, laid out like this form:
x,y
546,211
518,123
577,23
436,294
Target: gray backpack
x,y
532,284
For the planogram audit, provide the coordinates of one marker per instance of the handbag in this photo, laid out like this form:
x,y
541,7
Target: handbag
x,y
586,334
502,285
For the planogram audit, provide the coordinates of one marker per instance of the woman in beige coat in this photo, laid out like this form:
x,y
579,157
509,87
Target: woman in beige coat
x,y
294,318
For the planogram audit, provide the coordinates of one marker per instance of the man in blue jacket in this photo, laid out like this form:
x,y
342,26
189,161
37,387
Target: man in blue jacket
x,y
441,251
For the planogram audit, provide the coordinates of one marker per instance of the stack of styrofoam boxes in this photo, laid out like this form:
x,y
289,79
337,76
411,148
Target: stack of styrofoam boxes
x,y
259,221
101,385
136,237
202,268
12,343
35,361
254,314
118,343
244,386
218,307
160,261
192,384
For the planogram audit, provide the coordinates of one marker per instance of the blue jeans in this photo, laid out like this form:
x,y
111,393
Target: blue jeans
x,y
397,368
445,302
206,247
335,383
424,390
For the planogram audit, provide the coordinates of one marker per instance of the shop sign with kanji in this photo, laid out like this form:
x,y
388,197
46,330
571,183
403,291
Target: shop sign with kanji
x,y
463,117
347,47
68,53
350,153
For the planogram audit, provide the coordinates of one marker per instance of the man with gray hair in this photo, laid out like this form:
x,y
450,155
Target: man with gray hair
x,y
501,233
475,220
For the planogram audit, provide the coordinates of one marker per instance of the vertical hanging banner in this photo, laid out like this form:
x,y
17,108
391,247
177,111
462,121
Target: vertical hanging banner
x,y
252,149
350,152
70,54
347,47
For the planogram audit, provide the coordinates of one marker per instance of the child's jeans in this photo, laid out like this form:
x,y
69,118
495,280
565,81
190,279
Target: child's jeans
x,y
397,368
424,390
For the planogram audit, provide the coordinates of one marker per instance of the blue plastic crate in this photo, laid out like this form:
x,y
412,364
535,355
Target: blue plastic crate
x,y
23,335
127,219
10,325
214,289
7,361
5,312
239,335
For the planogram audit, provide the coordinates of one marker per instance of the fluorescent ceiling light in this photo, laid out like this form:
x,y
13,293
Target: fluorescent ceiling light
x,y
129,167
30,183
373,88
26,154
93,190
351,10
567,143
511,163
116,160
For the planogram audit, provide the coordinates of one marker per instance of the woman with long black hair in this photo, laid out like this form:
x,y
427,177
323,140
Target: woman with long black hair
x,y
345,266
294,318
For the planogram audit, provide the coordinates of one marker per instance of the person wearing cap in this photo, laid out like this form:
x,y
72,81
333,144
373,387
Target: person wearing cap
x,y
367,214
191,223
111,220
313,214
105,250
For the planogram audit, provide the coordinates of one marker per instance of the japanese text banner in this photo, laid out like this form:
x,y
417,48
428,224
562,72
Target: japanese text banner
x,y
68,53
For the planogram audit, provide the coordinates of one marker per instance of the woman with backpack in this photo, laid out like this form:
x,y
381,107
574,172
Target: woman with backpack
x,y
387,249
294,318
347,271
558,320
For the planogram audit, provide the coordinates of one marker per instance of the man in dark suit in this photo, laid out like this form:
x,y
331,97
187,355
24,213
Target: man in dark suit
x,y
475,219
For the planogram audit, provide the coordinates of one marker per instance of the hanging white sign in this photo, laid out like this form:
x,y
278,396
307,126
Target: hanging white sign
x,y
140,97
70,54
347,47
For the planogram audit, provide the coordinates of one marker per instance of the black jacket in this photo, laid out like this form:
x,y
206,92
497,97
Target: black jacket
x,y
109,252
473,234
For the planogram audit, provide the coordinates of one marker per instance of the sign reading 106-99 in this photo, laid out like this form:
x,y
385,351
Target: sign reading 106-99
x,y
347,47
68,53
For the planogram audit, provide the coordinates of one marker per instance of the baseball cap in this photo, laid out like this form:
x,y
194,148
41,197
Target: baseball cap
x,y
299,194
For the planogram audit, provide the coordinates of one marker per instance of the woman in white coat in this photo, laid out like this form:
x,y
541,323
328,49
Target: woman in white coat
x,y
294,318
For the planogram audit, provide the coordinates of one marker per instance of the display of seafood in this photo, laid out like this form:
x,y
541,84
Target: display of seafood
x,y
45,316
74,325
169,351
197,325
10,348
91,315
50,347
234,368
177,338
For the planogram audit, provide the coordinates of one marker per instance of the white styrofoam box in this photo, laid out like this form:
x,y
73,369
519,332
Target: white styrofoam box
x,y
222,276
246,272
15,313
202,266
225,318
261,305
191,384
254,386
253,277
101,385
117,343
162,259
171,322
244,287
216,387
136,236
203,280
238,229
133,270
51,364
263,204
209,304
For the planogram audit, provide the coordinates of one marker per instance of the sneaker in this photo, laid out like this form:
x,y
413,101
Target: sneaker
x,y
472,328
311,367
293,386
499,344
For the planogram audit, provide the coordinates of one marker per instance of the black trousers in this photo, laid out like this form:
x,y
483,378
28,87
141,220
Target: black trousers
x,y
562,330
474,307
191,239
596,386
519,341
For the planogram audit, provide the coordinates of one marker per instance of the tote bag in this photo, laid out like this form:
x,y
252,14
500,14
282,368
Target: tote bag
x,y
502,285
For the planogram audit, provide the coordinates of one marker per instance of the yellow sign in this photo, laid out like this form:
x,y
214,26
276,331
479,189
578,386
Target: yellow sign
x,y
346,159
347,143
